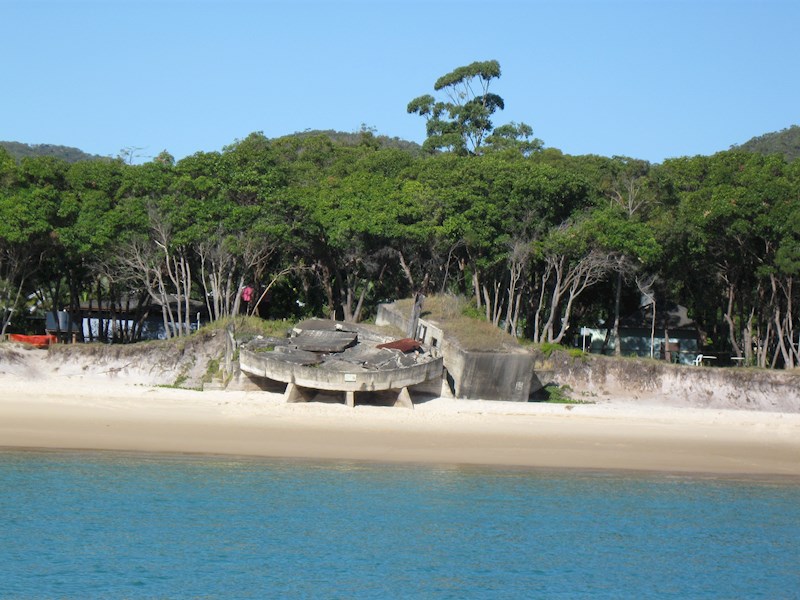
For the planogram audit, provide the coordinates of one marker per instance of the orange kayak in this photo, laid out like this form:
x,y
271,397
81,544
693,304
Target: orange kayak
x,y
40,341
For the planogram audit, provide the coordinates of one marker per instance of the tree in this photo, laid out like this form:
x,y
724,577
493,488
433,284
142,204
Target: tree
x,y
623,229
43,182
161,265
462,123
352,221
731,240
23,240
515,138
570,264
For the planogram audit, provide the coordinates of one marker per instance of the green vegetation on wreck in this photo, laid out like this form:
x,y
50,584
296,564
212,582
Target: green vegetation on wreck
x,y
462,322
247,327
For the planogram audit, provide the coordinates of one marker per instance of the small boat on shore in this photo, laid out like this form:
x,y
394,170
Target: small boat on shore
x,y
39,341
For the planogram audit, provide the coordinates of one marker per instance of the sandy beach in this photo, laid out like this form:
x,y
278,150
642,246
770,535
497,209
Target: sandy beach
x,y
71,412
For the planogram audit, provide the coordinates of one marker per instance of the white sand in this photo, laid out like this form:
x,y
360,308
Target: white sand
x,y
70,410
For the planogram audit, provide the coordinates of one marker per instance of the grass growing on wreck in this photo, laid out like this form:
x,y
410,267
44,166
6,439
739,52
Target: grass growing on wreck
x,y
463,322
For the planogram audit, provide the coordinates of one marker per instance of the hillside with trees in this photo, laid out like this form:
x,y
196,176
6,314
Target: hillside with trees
x,y
68,154
365,136
540,242
785,142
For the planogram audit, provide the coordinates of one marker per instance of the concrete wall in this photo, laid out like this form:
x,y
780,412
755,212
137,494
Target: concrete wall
x,y
388,315
356,380
641,381
472,375
489,375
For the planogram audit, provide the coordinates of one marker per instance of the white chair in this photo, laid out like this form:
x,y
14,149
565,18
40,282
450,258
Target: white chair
x,y
701,357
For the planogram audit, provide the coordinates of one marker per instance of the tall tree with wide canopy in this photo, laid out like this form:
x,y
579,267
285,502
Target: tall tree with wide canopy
x,y
462,122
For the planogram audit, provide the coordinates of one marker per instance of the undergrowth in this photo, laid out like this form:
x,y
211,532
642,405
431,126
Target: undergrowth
x,y
556,394
212,371
547,348
250,327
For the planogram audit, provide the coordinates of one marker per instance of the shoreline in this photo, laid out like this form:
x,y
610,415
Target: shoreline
x,y
352,463
70,413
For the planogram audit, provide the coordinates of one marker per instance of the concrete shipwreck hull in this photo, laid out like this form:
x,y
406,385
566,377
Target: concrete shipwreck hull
x,y
328,356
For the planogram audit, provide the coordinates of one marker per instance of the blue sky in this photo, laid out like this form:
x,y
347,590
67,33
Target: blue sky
x,y
650,79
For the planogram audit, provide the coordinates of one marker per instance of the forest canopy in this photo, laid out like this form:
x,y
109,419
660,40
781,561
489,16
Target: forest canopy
x,y
314,224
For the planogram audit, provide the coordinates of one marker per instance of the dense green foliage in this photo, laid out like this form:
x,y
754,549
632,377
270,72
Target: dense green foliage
x,y
366,135
540,242
785,142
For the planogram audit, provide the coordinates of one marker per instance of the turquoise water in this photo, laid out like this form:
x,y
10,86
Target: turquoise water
x,y
105,525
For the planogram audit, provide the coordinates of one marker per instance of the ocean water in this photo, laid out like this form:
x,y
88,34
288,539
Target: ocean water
x,y
110,525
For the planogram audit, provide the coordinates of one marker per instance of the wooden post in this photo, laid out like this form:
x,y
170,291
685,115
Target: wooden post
x,y
419,299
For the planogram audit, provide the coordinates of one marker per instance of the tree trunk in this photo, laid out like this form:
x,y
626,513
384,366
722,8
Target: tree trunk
x,y
617,299
732,327
747,341
476,288
653,331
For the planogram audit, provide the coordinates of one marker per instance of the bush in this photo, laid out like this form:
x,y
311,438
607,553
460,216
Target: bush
x,y
555,394
548,348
